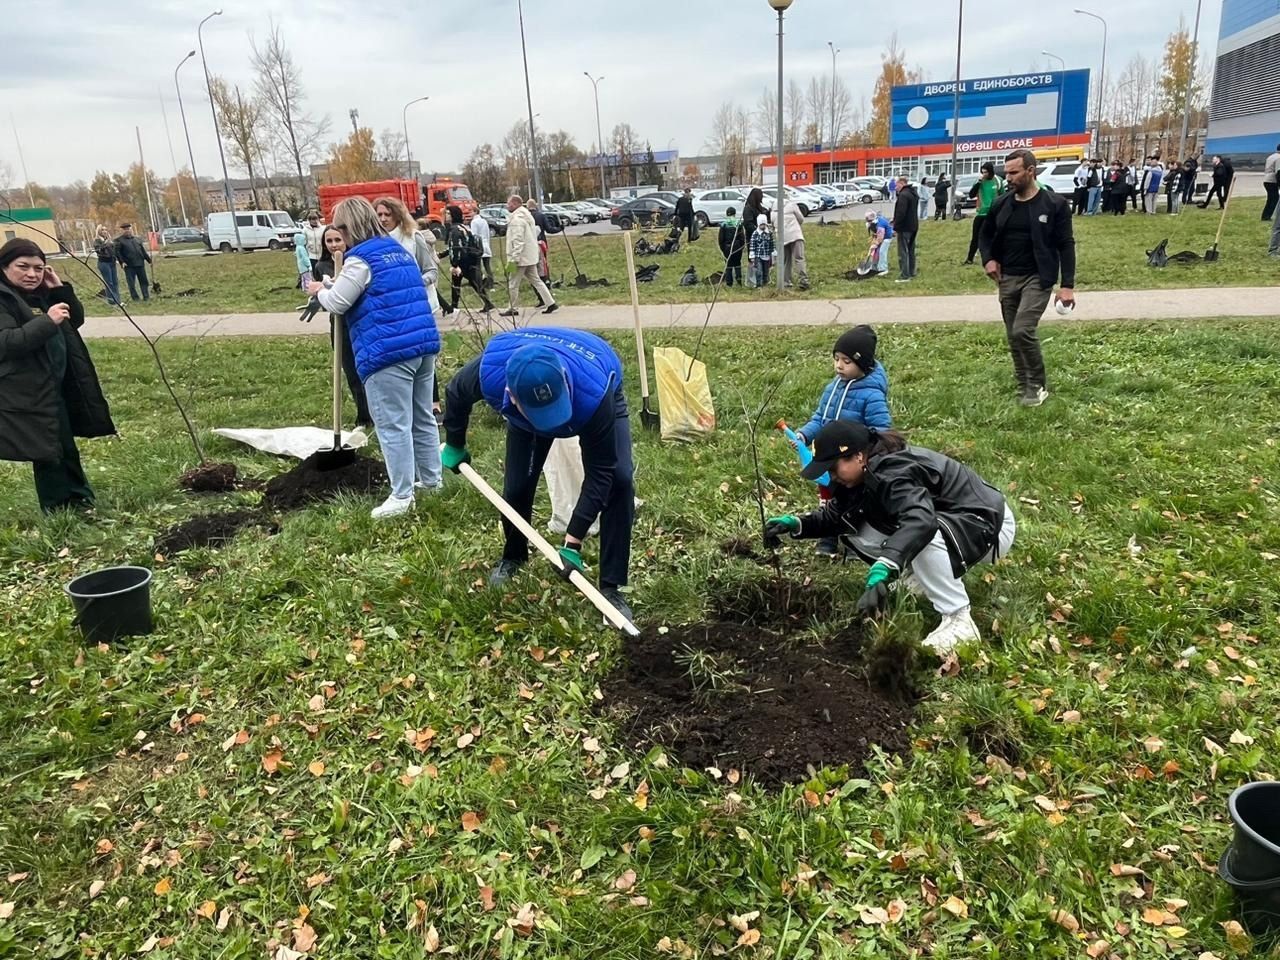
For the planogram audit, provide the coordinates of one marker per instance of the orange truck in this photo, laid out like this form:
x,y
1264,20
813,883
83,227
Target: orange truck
x,y
427,202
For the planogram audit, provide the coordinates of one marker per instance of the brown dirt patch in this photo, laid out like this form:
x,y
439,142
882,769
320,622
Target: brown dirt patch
x,y
209,478
732,695
212,530
306,483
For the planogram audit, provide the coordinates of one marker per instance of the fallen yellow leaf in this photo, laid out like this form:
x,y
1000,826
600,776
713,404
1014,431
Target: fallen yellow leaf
x,y
316,768
749,939
955,906
207,909
163,886
470,821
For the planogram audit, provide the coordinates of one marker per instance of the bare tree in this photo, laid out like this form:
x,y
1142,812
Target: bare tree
x,y
241,121
391,146
793,117
841,109
279,84
818,102
766,118
730,140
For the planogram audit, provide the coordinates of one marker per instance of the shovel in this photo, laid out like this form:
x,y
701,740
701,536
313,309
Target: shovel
x,y
584,585
337,456
647,417
1211,255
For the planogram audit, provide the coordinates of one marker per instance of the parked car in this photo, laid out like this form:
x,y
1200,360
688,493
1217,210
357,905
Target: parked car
x,y
272,229
645,211
861,193
711,206
589,212
496,216
182,235
1059,176
603,208
670,196
568,217
818,198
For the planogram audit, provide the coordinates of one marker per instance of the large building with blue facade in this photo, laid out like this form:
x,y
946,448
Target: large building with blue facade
x,y
1244,109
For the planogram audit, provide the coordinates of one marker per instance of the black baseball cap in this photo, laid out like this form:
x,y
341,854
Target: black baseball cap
x,y
837,440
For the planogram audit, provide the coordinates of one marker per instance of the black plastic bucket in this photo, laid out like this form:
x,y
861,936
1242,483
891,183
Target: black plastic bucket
x,y
112,603
1251,864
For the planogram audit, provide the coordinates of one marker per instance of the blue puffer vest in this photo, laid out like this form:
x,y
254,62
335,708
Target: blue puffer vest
x,y
392,321
594,372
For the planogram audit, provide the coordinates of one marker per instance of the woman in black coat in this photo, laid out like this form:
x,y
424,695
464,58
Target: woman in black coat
x,y
331,242
753,207
941,189
49,390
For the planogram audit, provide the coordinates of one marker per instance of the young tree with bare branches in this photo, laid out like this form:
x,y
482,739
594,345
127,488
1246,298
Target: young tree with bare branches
x,y
279,84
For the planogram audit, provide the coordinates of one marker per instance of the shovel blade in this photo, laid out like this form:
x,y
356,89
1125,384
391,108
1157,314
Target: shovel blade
x,y
1211,255
334,458
648,418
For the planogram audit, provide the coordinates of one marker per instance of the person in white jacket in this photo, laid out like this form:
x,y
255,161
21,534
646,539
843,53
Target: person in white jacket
x,y
523,256
793,262
313,233
480,228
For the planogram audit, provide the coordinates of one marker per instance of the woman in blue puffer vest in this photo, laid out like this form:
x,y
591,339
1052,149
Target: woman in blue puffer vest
x,y
393,333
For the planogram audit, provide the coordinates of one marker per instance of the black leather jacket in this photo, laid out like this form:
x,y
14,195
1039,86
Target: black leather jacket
x,y
911,495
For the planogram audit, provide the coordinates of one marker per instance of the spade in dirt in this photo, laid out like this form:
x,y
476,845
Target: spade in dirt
x,y
339,455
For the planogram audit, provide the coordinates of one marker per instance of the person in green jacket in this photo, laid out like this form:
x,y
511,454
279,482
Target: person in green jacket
x,y
986,190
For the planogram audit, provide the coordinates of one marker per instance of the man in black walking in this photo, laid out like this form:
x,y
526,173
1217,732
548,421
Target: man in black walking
x,y
684,214
134,257
1026,244
1190,168
1223,174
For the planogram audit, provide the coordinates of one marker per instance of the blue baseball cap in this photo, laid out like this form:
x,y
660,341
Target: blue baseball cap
x,y
536,378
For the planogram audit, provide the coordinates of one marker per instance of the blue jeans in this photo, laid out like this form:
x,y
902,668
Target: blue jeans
x,y
760,272
400,401
882,263
110,279
526,454
1095,195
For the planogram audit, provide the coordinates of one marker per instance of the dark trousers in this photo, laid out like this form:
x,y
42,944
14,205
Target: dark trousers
x,y
526,454
354,383
978,221
1188,190
1133,196
487,263
1022,304
1218,190
1080,200
1273,195
907,254
733,270
110,279
470,273
61,482
138,274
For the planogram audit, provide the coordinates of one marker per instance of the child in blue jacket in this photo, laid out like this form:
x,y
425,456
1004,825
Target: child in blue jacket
x,y
859,392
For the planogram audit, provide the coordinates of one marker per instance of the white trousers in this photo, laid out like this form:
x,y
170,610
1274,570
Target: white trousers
x,y
932,565
564,473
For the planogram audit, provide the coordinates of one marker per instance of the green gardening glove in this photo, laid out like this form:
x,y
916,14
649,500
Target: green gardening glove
x,y
879,573
778,526
570,560
454,457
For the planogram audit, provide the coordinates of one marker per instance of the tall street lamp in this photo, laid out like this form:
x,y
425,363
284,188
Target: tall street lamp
x,y
404,120
1062,77
781,6
595,86
1102,70
1191,77
955,110
187,133
528,96
217,135
831,164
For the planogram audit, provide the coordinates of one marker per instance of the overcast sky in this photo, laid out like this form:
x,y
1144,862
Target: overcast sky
x,y
78,76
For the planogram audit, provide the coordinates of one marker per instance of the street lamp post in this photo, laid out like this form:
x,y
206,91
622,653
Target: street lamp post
x,y
187,133
1102,71
404,120
831,164
595,86
1191,76
1062,71
781,6
217,135
955,110
528,96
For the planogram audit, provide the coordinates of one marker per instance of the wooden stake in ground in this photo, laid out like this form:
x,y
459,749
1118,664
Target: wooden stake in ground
x,y
585,587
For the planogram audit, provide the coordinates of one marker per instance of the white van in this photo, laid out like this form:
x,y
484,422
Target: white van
x,y
272,229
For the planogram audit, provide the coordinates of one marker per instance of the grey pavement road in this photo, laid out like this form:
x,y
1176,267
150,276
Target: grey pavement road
x,y
1109,305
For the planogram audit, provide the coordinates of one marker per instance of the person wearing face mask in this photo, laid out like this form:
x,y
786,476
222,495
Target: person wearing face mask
x,y
49,389
909,512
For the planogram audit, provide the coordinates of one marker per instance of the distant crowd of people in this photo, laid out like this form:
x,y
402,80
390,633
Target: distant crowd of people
x,y
1111,188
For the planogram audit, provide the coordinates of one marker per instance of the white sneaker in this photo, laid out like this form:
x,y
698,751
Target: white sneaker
x,y
393,506
955,629
420,487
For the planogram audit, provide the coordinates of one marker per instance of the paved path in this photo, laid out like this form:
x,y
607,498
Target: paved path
x,y
1111,305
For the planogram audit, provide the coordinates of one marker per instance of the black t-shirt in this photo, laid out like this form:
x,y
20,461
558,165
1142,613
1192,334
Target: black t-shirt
x,y
1014,251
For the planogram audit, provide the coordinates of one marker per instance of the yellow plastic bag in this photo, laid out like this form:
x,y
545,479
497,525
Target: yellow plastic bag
x,y
684,395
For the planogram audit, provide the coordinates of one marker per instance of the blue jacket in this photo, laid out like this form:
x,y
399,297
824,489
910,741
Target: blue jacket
x,y
300,253
881,223
864,401
392,321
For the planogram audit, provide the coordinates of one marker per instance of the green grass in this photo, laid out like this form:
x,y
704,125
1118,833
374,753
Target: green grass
x,y
1148,525
1111,253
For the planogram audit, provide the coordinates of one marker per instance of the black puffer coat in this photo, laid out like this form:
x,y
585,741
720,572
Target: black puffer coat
x,y
911,495
29,395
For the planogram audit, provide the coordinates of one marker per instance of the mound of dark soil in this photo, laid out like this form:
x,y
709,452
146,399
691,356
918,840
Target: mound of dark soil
x,y
769,601
736,696
211,530
210,478
307,483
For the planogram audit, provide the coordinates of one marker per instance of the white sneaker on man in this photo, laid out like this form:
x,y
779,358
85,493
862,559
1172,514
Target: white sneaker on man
x,y
393,506
955,629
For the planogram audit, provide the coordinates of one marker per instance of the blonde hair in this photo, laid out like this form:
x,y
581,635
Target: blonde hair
x,y
357,219
103,231
399,212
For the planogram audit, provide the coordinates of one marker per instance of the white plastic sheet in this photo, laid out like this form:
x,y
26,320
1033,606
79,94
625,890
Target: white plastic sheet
x,y
298,442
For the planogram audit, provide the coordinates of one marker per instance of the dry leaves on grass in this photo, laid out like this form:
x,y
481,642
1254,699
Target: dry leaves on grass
x,y
470,821
626,881
96,888
235,740
956,907
304,938
207,909
1065,920
271,760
